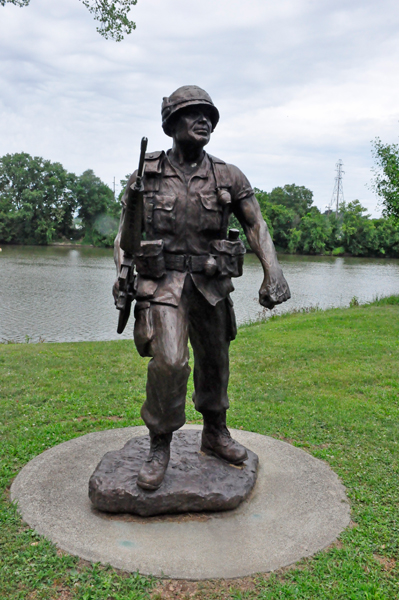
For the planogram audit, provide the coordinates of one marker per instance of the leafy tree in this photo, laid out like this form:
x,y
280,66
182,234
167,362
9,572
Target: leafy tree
x,y
112,15
283,209
386,177
97,209
37,199
295,197
315,235
358,233
40,202
123,184
334,232
294,241
387,237
263,200
282,220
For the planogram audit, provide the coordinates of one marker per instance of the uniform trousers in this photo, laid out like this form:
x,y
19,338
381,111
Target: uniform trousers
x,y
162,332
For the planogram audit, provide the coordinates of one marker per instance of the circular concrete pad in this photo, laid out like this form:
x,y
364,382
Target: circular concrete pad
x,y
297,507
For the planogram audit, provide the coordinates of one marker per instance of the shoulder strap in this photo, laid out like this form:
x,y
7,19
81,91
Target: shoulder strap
x,y
220,172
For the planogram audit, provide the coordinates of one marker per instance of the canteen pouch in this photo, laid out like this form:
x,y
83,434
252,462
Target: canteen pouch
x,y
229,256
150,261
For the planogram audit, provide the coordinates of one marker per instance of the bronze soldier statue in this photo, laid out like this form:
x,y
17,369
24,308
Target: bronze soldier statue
x,y
184,269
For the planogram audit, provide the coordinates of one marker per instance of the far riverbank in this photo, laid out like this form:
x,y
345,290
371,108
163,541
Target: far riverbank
x,y
248,251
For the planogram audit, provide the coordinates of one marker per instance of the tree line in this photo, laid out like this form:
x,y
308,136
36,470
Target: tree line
x,y
297,226
42,203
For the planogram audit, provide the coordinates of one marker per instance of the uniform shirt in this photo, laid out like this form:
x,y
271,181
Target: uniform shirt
x,y
183,211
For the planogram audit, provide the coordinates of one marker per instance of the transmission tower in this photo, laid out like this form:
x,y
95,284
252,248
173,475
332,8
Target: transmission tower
x,y
338,193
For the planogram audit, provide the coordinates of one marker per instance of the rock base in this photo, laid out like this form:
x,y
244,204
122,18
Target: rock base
x,y
194,481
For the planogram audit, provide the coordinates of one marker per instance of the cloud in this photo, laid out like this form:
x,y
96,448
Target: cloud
x,y
299,84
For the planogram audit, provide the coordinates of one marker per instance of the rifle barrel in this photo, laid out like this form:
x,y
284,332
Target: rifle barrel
x,y
144,142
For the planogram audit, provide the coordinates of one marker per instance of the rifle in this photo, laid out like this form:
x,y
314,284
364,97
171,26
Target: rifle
x,y
130,242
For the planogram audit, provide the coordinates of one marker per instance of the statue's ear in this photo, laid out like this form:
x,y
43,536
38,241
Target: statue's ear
x,y
172,125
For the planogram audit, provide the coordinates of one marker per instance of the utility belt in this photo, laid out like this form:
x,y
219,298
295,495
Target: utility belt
x,y
226,258
186,262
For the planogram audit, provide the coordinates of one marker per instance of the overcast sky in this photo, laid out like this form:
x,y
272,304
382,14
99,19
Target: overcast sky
x,y
299,84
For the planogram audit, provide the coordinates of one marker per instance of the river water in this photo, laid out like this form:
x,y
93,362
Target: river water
x,y
59,294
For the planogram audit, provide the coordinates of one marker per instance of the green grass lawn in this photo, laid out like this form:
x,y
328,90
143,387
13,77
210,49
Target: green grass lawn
x,y
326,381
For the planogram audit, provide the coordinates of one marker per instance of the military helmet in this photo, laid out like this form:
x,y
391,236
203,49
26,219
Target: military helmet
x,y
187,95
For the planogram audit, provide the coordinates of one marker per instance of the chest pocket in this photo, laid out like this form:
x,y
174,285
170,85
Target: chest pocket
x,y
210,213
164,213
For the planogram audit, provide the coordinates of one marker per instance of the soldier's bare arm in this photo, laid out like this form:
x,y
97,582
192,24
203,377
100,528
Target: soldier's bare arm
x,y
274,289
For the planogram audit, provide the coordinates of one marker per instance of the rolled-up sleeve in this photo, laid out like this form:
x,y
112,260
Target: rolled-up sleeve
x,y
240,186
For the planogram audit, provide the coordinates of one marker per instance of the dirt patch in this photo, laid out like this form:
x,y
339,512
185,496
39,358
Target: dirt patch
x,y
215,589
62,594
91,418
388,564
338,545
174,589
287,440
83,564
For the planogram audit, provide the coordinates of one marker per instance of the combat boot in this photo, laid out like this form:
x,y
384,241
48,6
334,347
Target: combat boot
x,y
216,439
152,472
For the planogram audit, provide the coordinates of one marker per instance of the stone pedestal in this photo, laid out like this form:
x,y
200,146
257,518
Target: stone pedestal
x,y
194,481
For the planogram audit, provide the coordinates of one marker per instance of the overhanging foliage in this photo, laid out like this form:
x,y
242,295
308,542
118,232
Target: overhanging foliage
x,y
112,16
386,177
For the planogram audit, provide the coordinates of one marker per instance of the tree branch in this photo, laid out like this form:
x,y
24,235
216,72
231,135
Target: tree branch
x,y
112,16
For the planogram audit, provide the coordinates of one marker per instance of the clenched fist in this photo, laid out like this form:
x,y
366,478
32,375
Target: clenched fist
x,y
274,289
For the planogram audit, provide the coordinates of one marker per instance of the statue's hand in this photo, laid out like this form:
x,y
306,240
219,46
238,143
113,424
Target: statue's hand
x,y
115,290
274,289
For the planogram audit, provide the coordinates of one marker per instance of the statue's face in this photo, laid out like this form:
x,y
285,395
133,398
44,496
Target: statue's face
x,y
193,125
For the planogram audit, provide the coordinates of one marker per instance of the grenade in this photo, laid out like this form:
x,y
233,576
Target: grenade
x,y
210,266
224,197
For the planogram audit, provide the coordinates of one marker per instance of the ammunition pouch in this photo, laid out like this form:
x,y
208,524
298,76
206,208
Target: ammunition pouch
x,y
150,261
229,256
226,258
